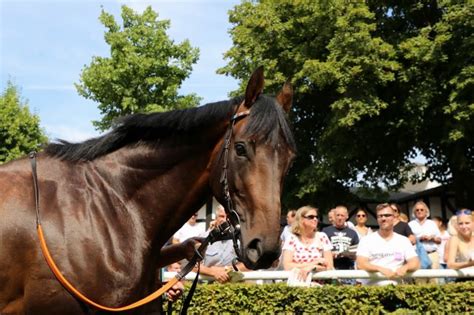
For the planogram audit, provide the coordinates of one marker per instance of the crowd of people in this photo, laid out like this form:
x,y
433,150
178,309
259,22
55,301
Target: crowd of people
x,y
396,247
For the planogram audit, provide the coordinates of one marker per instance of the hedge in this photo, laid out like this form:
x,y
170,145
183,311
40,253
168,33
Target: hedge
x,y
241,298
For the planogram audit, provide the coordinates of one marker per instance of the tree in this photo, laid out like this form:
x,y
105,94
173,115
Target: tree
x,y
375,83
438,71
20,132
144,71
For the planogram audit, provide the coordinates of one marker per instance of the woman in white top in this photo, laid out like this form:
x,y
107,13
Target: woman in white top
x,y
360,227
461,246
306,249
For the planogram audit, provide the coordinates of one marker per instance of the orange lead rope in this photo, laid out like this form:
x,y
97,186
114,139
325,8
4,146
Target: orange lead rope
x,y
68,285
82,297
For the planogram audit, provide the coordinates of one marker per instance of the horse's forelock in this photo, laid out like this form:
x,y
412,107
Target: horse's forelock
x,y
268,121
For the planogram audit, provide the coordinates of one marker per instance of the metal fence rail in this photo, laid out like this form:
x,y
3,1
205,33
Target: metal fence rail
x,y
341,274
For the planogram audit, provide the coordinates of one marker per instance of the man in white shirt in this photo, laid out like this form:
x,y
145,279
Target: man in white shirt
x,y
219,256
188,230
385,251
426,231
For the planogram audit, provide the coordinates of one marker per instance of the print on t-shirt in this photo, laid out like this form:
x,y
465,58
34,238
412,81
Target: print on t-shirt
x,y
341,242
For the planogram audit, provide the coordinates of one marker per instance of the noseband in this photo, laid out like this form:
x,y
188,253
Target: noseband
x,y
232,215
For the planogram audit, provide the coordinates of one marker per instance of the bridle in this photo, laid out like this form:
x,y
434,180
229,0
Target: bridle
x,y
232,215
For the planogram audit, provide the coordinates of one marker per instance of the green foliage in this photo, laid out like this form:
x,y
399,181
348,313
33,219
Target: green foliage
x,y
20,132
439,74
280,299
144,71
375,83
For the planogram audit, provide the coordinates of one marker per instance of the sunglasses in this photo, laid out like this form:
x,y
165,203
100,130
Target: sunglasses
x,y
384,215
464,211
361,215
419,210
311,217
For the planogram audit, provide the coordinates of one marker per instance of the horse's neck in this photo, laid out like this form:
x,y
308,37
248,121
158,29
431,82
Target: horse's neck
x,y
164,184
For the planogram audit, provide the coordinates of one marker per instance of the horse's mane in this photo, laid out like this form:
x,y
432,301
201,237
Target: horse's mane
x,y
137,128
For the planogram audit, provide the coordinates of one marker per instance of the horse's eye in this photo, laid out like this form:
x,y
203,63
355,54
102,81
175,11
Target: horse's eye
x,y
240,149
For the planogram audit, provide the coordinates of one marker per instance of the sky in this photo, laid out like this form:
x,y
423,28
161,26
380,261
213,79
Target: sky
x,y
45,44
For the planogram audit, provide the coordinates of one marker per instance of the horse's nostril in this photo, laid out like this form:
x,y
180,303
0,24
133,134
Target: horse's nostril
x,y
254,250
257,256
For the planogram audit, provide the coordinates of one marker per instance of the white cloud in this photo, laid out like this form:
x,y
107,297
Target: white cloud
x,y
68,133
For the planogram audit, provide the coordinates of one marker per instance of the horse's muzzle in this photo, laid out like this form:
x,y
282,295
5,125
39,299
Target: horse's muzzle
x,y
258,257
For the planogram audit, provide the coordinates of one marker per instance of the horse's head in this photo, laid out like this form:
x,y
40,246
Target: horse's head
x,y
260,148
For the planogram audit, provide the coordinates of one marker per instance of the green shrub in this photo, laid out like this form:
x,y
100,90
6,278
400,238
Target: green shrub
x,y
280,299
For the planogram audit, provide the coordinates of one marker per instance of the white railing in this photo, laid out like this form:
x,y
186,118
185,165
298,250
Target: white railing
x,y
341,274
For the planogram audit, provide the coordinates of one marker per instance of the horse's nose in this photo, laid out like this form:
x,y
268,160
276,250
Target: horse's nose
x,y
254,251
258,257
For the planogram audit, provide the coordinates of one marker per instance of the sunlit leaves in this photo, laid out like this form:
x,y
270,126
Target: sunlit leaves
x,y
20,132
144,71
375,82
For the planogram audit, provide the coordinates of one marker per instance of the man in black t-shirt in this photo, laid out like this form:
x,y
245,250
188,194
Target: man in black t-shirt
x,y
401,227
342,238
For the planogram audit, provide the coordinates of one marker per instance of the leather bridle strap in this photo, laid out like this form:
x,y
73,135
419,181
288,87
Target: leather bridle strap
x,y
233,216
75,292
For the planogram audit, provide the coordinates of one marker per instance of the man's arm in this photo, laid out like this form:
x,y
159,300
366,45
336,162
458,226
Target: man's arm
x,y
363,263
435,239
176,252
434,236
219,273
412,264
411,236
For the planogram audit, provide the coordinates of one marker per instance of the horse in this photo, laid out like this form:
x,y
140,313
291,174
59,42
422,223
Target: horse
x,y
109,204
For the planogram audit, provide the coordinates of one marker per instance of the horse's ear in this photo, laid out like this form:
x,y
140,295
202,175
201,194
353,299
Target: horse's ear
x,y
285,97
254,87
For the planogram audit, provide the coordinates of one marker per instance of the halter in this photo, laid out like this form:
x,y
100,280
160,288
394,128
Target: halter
x,y
233,217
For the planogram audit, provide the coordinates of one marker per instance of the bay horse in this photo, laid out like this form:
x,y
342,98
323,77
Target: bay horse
x,y
109,204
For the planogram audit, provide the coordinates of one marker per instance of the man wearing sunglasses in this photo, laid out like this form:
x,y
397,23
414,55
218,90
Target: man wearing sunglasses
x,y
385,251
426,232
